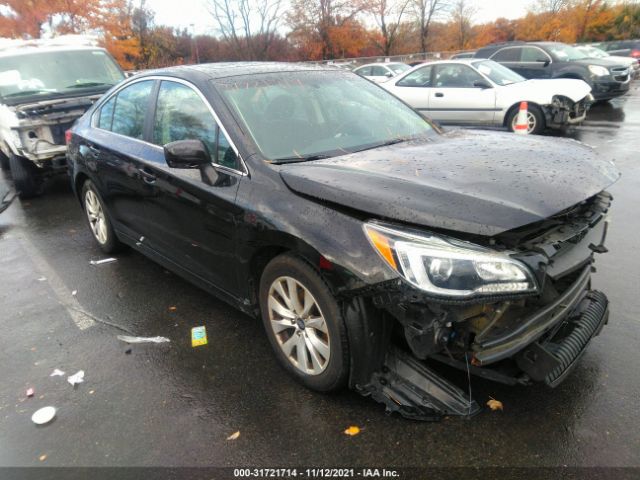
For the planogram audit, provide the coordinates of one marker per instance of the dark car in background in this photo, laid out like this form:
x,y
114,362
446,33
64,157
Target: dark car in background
x,y
623,48
608,79
366,240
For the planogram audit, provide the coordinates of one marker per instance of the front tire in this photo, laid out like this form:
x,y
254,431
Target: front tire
x,y
98,220
26,178
535,118
304,324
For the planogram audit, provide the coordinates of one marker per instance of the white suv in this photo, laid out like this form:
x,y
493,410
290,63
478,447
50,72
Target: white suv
x,y
45,85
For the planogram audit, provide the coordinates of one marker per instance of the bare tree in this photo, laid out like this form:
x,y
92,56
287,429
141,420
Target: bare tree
x,y
462,16
388,15
551,6
249,25
425,11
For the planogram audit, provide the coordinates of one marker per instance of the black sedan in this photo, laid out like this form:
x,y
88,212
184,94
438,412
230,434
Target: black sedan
x,y
370,243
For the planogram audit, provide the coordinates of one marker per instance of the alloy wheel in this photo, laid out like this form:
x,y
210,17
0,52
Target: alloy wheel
x,y
95,214
299,325
531,122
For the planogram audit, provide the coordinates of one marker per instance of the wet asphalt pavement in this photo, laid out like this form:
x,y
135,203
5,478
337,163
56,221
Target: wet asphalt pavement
x,y
173,405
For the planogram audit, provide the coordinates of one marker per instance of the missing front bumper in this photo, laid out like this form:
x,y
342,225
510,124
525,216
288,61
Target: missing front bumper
x,y
550,361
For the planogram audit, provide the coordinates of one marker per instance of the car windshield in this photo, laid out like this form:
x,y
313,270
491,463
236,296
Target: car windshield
x,y
295,116
398,68
566,53
51,73
593,52
498,74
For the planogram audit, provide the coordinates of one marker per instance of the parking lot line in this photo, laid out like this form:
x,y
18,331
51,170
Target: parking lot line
x,y
63,294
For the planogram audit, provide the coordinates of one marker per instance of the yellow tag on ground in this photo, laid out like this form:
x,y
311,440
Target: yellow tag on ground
x,y
198,336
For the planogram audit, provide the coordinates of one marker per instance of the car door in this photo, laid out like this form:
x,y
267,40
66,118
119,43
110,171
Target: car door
x,y
193,210
534,63
116,153
458,97
414,89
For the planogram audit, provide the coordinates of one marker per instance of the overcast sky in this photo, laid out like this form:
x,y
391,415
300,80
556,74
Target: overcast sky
x,y
183,13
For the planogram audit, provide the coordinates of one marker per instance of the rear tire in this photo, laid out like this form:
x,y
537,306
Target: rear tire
x,y
536,119
26,177
308,317
4,161
98,219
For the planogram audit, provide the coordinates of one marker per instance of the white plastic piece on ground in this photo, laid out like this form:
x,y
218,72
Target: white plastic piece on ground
x,y
128,339
57,373
76,378
43,416
103,261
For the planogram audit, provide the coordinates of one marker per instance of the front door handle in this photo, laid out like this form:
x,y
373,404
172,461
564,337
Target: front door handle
x,y
439,95
147,177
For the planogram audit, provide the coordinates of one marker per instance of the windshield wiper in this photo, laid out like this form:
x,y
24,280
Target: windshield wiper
x,y
89,84
301,158
382,144
29,92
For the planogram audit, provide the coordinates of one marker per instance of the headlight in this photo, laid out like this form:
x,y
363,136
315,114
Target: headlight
x,y
448,267
598,71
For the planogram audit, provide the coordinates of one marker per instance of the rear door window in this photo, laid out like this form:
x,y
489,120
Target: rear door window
x,y
130,109
417,78
511,54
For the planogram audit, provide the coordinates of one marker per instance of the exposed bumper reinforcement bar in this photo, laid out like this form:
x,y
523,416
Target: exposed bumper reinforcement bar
x,y
407,386
552,360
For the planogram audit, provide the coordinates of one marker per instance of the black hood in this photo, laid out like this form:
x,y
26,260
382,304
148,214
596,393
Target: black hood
x,y
475,182
601,62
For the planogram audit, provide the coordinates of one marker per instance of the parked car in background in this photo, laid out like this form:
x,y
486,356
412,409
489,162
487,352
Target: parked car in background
x,y
595,52
483,92
45,85
367,241
607,79
381,72
461,55
624,48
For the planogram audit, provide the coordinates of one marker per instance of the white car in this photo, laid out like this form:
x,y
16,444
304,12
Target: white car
x,y
595,52
381,72
45,86
483,92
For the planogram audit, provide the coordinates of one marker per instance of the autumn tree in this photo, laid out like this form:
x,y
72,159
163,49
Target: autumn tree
x,y
424,12
323,23
461,19
388,16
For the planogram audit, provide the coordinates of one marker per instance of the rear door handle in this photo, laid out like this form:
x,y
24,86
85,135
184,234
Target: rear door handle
x,y
147,177
439,95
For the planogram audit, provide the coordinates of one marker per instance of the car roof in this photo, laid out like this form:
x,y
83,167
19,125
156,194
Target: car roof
x,y
27,50
234,69
380,63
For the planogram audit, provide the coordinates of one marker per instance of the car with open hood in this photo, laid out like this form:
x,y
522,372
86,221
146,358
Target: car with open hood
x,y
45,86
483,92
371,245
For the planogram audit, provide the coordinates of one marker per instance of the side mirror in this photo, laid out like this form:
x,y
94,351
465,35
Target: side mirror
x,y
186,154
388,74
543,61
481,84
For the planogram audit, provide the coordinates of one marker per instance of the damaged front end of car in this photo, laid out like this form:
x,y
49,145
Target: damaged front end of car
x,y
36,130
563,111
515,308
